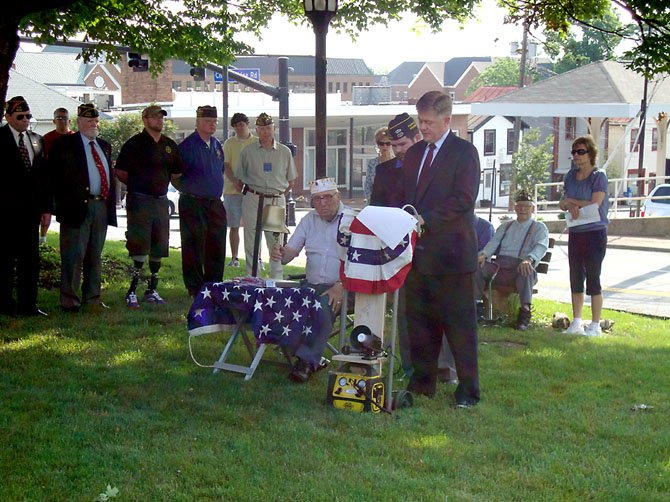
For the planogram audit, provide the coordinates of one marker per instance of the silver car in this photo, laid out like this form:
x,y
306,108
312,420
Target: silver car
x,y
654,206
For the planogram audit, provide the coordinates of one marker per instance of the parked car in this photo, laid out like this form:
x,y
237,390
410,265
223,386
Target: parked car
x,y
655,206
173,199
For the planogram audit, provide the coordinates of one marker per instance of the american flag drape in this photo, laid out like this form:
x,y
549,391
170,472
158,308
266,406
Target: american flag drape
x,y
282,316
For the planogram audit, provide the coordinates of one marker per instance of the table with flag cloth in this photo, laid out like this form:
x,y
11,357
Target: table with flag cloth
x,y
276,315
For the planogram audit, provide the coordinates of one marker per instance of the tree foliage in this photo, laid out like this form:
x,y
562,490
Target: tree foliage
x,y
195,31
503,73
583,44
651,19
530,165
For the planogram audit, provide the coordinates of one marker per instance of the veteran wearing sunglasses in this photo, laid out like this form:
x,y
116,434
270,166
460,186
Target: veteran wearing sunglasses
x,y
583,186
23,203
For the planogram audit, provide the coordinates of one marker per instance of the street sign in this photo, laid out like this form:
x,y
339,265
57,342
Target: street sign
x,y
252,73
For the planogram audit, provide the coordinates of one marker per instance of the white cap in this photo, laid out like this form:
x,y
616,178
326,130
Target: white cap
x,y
322,185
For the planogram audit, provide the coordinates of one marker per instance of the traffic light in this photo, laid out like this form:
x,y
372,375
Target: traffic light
x,y
198,74
136,62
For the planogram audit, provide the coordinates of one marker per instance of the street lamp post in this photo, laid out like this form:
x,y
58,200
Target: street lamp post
x,y
320,12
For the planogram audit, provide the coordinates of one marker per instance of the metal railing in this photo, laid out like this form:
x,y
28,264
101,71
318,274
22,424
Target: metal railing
x,y
614,201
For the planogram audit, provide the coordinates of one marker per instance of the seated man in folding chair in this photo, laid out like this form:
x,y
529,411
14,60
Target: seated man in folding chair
x,y
317,233
518,246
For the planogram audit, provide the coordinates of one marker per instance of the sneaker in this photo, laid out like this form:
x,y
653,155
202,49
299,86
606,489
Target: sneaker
x,y
593,329
575,328
234,263
152,296
131,301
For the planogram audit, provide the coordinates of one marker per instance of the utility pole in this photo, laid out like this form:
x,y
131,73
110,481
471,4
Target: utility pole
x,y
640,148
517,119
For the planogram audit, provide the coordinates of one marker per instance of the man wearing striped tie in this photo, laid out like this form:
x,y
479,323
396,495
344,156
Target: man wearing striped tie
x,y
23,203
85,204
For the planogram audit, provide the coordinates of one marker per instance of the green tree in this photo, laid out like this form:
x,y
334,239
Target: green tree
x,y
651,18
583,44
530,165
195,31
503,73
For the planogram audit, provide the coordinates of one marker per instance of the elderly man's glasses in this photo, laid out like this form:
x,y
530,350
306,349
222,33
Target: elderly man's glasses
x,y
580,151
22,116
323,198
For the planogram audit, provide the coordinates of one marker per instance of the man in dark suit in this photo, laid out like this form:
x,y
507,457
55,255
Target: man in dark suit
x,y
85,204
442,179
23,203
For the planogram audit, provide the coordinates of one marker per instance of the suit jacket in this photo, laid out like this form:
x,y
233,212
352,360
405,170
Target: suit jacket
x,y
389,185
23,192
446,202
70,182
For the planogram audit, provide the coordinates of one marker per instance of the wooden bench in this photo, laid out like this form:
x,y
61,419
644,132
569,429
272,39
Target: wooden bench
x,y
498,296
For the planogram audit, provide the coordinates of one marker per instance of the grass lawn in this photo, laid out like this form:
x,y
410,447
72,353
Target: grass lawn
x,y
114,399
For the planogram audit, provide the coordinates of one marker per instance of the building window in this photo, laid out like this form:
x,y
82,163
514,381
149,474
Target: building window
x,y
198,85
330,87
510,141
218,86
337,87
189,85
337,156
634,145
654,139
176,85
570,128
471,136
489,141
345,87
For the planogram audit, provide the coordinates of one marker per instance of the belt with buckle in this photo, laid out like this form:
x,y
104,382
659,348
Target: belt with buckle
x,y
95,197
247,188
148,196
198,197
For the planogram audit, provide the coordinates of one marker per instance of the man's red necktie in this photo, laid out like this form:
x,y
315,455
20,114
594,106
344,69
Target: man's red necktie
x,y
423,176
104,185
25,156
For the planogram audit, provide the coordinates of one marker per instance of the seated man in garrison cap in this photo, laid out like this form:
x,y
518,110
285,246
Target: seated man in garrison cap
x,y
518,246
317,234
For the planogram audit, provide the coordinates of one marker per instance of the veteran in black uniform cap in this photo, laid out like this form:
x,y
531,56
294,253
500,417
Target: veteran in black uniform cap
x,y
23,202
85,204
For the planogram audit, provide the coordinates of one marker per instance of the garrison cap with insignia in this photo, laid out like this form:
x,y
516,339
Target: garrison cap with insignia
x,y
87,110
17,104
206,111
402,125
264,119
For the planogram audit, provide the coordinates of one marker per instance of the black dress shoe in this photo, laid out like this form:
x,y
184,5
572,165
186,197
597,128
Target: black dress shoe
x,y
301,372
32,312
466,402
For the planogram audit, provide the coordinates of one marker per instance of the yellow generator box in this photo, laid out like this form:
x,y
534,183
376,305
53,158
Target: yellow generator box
x,y
356,388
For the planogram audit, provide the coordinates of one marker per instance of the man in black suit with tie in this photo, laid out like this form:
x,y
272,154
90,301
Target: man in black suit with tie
x,y
85,204
23,202
442,179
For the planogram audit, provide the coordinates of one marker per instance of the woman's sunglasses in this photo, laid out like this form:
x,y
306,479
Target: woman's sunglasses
x,y
581,151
